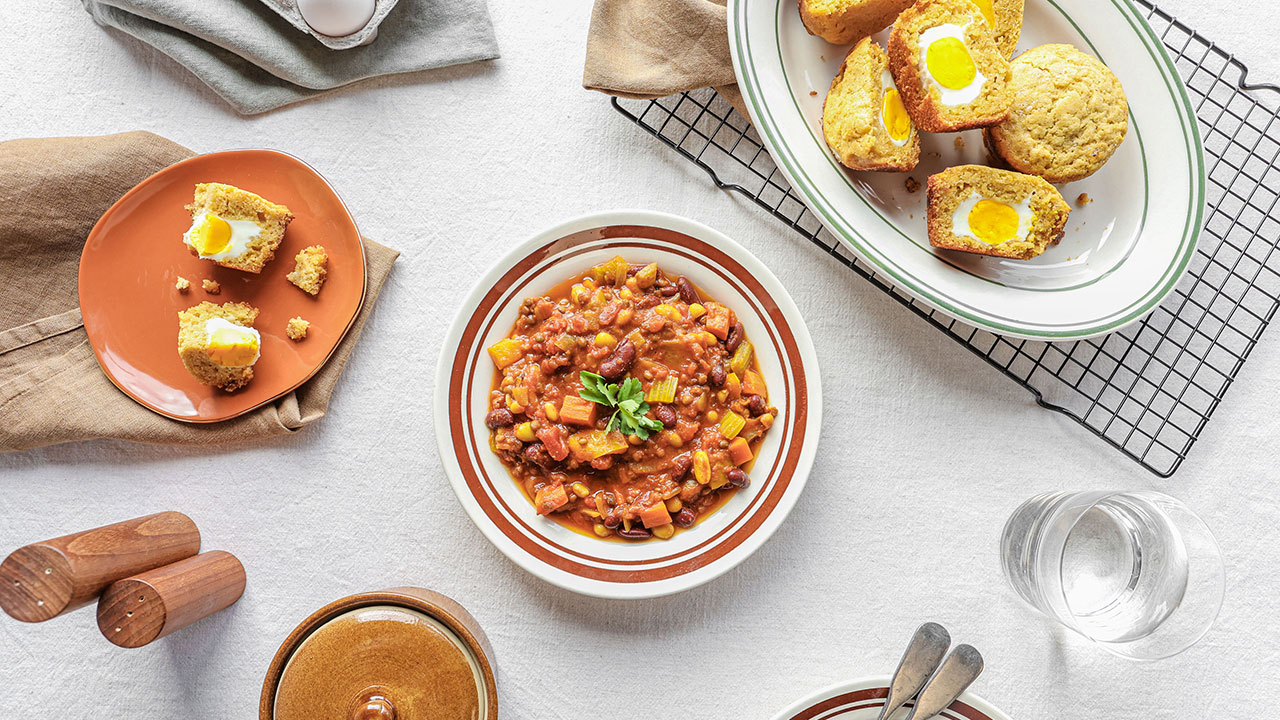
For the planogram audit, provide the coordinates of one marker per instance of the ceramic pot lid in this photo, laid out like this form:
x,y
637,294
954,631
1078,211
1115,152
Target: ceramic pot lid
x,y
397,655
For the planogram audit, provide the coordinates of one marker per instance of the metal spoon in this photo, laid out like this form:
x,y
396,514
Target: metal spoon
x,y
958,671
923,656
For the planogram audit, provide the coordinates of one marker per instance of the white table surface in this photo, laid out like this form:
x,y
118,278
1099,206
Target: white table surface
x,y
898,524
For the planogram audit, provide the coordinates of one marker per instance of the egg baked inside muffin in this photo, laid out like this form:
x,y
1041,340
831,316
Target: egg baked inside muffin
x,y
841,22
218,344
863,119
1069,115
235,228
977,209
946,64
1005,19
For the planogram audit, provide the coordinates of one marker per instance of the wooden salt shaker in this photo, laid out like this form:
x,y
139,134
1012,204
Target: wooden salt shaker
x,y
138,610
46,579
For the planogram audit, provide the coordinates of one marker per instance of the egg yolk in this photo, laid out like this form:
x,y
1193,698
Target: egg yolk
x,y
993,222
232,347
950,63
988,12
896,119
211,236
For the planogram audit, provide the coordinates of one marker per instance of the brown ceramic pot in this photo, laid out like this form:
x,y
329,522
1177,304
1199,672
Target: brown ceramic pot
x,y
400,654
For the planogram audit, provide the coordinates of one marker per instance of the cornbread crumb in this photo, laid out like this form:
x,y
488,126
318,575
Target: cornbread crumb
x,y
211,286
193,342
1083,200
297,328
912,184
231,203
813,93
183,284
959,143
310,269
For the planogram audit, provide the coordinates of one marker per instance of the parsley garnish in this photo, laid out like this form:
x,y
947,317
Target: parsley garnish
x,y
627,401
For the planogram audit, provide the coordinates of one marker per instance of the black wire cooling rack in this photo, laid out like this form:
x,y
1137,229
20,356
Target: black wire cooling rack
x,y
1149,389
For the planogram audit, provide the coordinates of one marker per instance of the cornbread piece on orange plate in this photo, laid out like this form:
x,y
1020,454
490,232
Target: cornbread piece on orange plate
x,y
217,343
235,228
310,269
297,328
211,286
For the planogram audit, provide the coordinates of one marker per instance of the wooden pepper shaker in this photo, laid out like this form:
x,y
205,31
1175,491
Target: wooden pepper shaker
x,y
138,610
46,579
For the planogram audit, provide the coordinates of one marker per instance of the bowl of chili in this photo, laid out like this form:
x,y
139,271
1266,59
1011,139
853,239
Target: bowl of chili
x,y
627,404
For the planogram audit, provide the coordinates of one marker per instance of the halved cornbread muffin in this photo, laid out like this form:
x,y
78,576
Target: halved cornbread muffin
x,y
217,343
1069,115
841,22
235,228
977,209
1005,19
863,118
948,68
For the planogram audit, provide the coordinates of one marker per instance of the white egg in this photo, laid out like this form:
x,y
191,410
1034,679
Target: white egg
x,y
949,96
242,232
237,332
887,84
960,220
337,18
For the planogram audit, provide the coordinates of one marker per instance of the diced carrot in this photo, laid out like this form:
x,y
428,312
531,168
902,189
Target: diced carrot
x,y
578,411
719,319
655,515
591,444
753,384
505,351
553,440
550,498
739,451
734,386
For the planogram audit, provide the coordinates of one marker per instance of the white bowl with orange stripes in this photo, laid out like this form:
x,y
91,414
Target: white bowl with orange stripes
x,y
617,569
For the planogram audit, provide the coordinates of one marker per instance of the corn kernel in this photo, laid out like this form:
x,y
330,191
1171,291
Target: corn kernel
x,y
626,294
674,439
712,415
605,339
668,311
601,530
524,431
549,408
515,407
766,421
697,310
579,294
664,532
624,317
580,489
632,284
674,505
702,467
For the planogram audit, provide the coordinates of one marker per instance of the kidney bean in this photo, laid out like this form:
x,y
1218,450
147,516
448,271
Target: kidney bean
x,y
647,301
738,478
756,405
617,364
687,292
498,418
667,290
635,533
665,415
680,465
608,314
685,518
537,454
717,375
612,520
736,333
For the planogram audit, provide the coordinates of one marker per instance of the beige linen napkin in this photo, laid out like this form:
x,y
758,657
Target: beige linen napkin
x,y
52,191
651,48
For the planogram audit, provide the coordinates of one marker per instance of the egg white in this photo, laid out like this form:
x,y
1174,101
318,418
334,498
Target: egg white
x,y
964,95
960,219
242,233
214,323
886,84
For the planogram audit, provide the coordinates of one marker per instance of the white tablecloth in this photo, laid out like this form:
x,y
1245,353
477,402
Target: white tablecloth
x,y
898,524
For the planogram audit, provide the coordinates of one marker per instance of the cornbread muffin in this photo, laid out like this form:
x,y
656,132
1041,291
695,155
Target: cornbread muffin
x,y
211,286
948,68
863,118
1069,115
217,343
310,269
1005,19
841,22
235,228
982,210
183,284
297,328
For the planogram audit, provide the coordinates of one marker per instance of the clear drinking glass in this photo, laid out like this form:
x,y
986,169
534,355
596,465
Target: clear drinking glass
x,y
1136,572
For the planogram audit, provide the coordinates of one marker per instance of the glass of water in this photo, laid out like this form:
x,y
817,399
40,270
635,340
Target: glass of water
x,y
1136,572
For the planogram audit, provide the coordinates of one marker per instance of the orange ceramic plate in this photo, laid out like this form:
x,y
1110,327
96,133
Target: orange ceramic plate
x,y
135,254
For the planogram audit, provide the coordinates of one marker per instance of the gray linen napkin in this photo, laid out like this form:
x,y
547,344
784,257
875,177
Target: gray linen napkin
x,y
257,61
